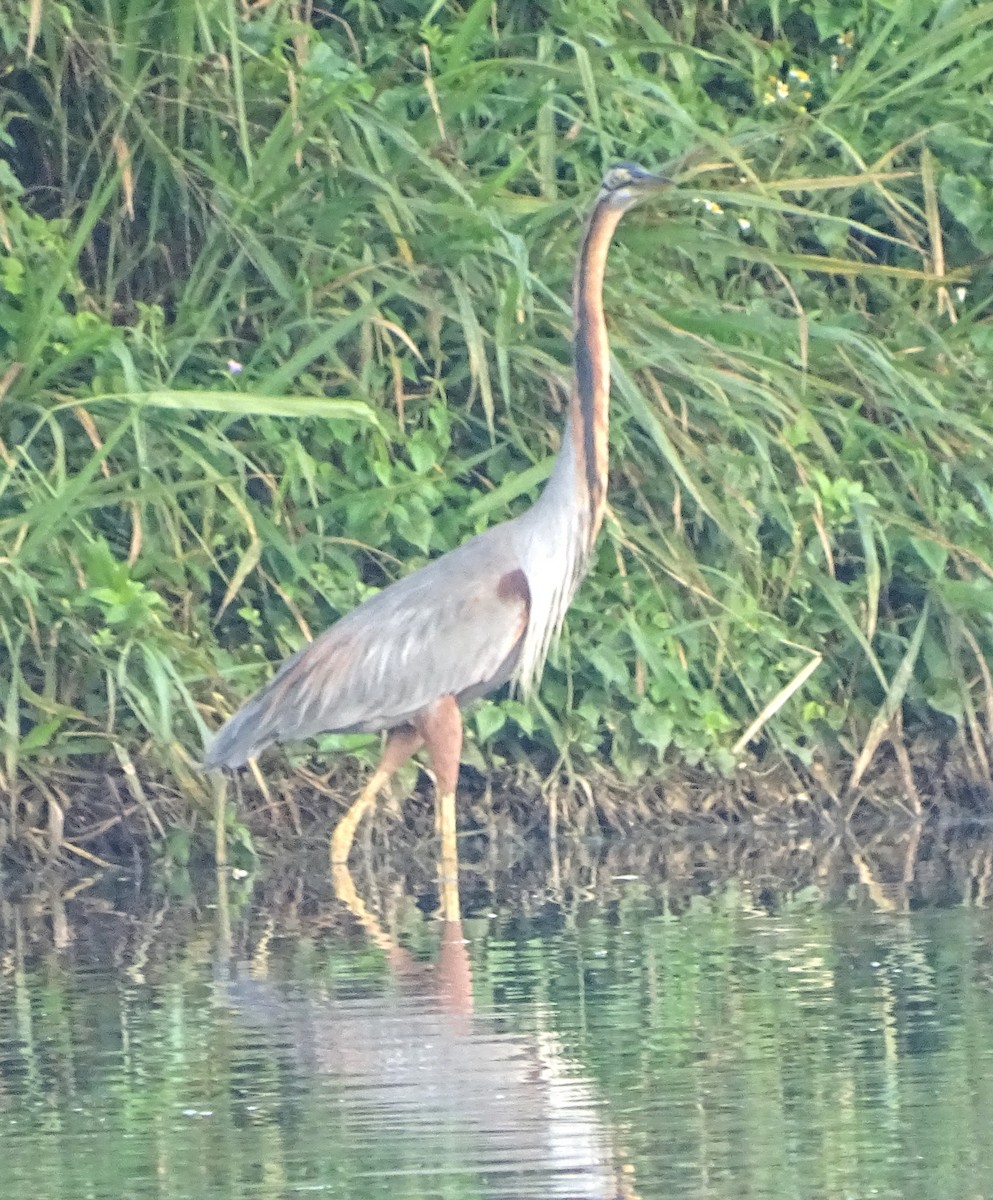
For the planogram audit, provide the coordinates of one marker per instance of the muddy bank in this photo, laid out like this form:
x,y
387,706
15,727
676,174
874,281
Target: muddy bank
x,y
894,869
116,819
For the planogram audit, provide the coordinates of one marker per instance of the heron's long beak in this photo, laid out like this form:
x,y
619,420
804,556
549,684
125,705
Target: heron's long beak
x,y
649,179
652,181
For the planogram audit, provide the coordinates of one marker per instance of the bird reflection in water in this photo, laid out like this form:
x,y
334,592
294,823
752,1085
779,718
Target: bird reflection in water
x,y
453,1089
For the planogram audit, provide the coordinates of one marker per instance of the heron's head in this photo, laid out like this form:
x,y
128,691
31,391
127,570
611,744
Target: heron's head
x,y
627,182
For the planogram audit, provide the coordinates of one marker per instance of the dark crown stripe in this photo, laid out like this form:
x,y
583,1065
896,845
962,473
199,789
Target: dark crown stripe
x,y
588,366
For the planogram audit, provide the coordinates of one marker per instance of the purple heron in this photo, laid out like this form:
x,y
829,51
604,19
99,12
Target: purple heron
x,y
410,658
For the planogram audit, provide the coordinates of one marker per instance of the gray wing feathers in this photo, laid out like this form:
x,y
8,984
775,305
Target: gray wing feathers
x,y
446,629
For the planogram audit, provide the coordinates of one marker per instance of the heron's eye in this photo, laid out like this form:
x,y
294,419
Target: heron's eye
x,y
618,177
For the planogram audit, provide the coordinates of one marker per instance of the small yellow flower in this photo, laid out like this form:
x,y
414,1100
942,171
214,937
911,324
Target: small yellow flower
x,y
799,75
835,62
782,89
846,39
768,98
710,205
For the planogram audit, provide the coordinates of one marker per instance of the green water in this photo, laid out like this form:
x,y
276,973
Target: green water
x,y
818,1024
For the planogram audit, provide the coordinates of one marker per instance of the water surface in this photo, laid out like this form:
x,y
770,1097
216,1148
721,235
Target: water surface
x,y
719,1022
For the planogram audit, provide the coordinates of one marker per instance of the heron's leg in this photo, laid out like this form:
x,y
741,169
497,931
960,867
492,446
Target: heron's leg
x,y
441,728
400,745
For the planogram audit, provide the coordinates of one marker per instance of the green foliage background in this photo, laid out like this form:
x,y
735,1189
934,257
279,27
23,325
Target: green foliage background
x,y
373,209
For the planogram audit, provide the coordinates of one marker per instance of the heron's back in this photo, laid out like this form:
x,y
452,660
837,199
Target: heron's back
x,y
453,627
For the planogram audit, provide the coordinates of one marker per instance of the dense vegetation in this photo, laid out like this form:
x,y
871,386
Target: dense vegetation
x,y
283,312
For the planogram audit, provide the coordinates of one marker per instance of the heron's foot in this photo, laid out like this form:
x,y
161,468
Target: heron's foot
x,y
341,845
344,835
448,892
448,860
344,886
392,806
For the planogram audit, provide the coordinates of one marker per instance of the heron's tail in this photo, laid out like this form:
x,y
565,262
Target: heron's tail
x,y
260,721
242,736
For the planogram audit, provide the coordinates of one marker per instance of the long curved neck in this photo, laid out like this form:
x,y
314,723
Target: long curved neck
x,y
558,532
590,399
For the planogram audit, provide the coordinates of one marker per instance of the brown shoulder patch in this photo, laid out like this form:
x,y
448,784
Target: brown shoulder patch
x,y
514,586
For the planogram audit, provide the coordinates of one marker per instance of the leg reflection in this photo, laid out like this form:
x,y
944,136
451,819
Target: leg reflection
x,y
451,980
519,1101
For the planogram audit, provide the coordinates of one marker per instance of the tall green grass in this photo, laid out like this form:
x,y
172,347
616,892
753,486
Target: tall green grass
x,y
283,311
